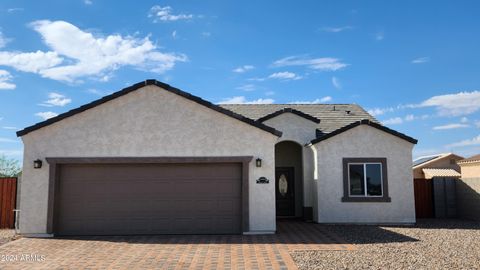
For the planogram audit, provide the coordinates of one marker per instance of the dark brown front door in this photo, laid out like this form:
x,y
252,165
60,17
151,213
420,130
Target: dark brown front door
x,y
128,199
285,191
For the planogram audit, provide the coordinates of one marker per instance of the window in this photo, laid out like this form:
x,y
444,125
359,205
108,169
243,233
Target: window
x,y
365,180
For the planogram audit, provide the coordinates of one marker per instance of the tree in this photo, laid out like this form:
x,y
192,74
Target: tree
x,y
9,167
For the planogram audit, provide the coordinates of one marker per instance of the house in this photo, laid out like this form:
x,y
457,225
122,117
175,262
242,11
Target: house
x,y
434,184
153,159
468,188
470,167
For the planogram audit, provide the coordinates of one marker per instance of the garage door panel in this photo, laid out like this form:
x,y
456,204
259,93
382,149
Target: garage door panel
x,y
117,199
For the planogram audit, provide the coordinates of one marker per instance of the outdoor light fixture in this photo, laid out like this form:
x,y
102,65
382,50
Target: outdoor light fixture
x,y
37,164
258,162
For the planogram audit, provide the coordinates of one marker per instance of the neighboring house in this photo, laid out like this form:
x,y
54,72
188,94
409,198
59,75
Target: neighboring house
x,y
470,167
468,188
434,182
152,159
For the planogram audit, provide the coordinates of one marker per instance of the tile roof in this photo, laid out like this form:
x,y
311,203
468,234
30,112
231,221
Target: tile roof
x,y
332,116
430,173
471,159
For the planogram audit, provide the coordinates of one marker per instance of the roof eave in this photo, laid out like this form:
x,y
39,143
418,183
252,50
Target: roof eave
x,y
364,122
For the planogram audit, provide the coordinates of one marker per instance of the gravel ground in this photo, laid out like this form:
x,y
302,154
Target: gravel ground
x,y
7,236
431,244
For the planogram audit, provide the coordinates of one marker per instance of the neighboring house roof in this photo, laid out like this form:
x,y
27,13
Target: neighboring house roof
x,y
289,110
422,160
426,160
430,173
368,123
472,159
138,86
331,116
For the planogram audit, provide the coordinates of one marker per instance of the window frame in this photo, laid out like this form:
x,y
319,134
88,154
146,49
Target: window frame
x,y
365,198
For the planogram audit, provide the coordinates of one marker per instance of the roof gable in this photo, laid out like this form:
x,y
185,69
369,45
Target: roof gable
x,y
288,110
137,86
365,122
331,116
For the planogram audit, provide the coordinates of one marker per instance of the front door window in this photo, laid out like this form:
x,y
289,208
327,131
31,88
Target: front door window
x,y
282,185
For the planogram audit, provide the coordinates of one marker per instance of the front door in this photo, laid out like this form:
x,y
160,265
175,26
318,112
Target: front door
x,y
284,191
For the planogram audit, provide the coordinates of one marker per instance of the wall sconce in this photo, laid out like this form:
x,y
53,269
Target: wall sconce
x,y
258,162
37,164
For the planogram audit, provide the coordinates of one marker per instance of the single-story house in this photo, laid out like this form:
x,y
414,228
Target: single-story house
x,y
434,184
153,159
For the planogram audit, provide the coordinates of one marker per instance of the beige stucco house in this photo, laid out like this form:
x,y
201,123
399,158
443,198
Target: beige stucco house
x,y
153,159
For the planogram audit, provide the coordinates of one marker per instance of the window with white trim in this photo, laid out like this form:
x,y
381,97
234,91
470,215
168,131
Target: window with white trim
x,y
365,180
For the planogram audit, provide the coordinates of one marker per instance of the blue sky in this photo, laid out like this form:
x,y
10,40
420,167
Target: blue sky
x,y
413,64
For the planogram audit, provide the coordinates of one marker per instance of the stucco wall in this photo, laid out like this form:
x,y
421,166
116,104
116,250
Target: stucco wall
x,y
470,170
147,122
468,198
301,131
364,141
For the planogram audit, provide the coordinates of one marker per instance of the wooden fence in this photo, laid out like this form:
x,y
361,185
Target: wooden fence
x,y
8,198
423,198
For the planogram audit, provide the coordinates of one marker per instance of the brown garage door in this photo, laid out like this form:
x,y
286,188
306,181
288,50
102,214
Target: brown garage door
x,y
123,199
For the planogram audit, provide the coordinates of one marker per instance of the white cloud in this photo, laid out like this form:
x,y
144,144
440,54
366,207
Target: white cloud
x,y
421,60
393,121
336,83
174,34
458,104
87,2
468,142
379,36
10,128
3,40
336,29
450,126
243,100
6,140
286,75
247,87
410,117
12,10
164,14
380,111
5,80
243,68
269,93
206,34
315,101
321,64
463,120
55,99
477,124
11,152
87,55
46,115
34,62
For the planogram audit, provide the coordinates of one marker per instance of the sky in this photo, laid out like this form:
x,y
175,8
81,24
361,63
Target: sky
x,y
414,65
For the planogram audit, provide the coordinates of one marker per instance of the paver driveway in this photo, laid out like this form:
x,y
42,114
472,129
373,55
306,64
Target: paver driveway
x,y
172,252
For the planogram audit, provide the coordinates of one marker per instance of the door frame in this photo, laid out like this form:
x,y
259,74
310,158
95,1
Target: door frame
x,y
292,169
56,162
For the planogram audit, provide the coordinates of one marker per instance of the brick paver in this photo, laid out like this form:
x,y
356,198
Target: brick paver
x,y
171,251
